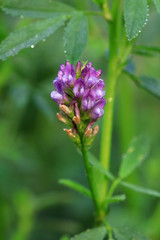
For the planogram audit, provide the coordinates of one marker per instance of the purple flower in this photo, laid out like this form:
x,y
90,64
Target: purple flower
x,y
88,100
80,96
67,75
79,87
97,111
98,88
57,97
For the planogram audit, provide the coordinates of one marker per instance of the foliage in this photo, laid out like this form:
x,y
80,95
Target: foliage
x,y
27,113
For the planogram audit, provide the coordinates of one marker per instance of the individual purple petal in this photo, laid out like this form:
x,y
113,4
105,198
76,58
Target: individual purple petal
x,y
58,86
97,111
89,65
98,73
62,67
79,88
98,88
57,97
78,68
88,100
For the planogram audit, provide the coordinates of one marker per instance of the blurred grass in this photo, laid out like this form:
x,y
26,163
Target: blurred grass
x,y
35,152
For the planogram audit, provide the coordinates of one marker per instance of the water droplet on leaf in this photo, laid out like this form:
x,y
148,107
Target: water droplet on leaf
x,y
32,46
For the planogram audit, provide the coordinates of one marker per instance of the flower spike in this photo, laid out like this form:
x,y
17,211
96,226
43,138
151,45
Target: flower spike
x,y
79,92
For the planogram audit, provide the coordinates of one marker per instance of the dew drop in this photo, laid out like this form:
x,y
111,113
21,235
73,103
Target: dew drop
x,y
32,46
21,17
36,35
146,20
147,14
145,23
44,40
139,31
65,51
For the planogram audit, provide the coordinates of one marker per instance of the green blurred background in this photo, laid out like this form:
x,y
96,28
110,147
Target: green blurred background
x,y
35,152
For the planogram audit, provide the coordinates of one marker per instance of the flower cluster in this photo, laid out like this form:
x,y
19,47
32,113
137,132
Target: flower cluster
x,y
80,96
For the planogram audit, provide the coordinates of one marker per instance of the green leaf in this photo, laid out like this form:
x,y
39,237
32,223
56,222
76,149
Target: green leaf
x,y
127,233
131,186
93,161
140,189
151,85
92,234
75,186
36,9
75,37
115,199
137,152
29,36
157,4
146,50
135,14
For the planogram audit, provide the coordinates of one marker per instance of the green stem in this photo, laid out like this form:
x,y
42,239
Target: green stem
x,y
89,176
110,94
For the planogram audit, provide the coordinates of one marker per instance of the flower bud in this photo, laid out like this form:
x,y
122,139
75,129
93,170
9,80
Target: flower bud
x,y
61,118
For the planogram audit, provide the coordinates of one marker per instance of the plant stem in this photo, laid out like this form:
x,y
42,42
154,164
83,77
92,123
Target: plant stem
x,y
110,94
89,176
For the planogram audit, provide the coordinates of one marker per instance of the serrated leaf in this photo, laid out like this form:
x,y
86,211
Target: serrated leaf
x,y
151,85
135,14
29,36
36,9
127,233
75,186
157,4
75,37
93,161
137,152
92,234
140,189
115,199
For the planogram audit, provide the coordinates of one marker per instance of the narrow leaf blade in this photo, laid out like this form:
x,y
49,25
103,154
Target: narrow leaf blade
x,y
29,36
36,9
140,189
137,152
75,186
146,50
135,14
92,234
151,85
75,37
93,161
